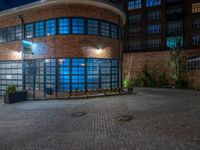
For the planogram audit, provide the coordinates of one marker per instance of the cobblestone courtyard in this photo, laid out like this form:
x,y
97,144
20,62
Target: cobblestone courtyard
x,y
162,119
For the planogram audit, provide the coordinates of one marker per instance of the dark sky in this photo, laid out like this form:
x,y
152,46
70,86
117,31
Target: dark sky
x,y
6,4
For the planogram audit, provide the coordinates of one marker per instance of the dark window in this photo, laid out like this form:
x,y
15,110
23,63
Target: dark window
x,y
77,26
29,31
63,24
105,29
50,27
39,29
92,27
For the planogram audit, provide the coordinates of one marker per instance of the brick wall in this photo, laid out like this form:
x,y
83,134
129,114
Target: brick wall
x,y
60,46
134,62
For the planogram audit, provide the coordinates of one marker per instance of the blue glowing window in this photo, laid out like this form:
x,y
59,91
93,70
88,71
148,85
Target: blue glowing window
x,y
78,62
39,29
134,4
174,42
50,27
78,26
92,27
114,31
154,29
63,24
150,3
105,29
29,31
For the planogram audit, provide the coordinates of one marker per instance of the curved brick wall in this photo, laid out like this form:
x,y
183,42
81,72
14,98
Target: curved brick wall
x,y
60,46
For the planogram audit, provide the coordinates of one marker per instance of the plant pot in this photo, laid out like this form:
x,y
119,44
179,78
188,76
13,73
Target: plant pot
x,y
18,96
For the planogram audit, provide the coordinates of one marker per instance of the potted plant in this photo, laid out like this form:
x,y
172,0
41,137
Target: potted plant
x,y
13,96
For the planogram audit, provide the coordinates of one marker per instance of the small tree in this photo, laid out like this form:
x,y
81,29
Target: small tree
x,y
177,63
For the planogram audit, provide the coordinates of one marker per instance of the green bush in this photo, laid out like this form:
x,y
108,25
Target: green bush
x,y
151,77
11,89
127,83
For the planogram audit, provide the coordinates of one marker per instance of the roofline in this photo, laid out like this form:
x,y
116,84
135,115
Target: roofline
x,y
40,3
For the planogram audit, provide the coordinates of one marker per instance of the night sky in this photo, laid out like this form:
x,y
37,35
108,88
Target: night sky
x,y
7,4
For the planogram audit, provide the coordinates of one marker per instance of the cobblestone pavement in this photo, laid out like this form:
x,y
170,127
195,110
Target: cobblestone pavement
x,y
162,119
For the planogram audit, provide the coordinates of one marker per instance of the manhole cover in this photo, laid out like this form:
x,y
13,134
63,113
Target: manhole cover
x,y
125,118
79,114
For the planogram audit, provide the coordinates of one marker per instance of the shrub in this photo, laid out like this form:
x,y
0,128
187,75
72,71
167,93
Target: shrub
x,y
11,89
127,83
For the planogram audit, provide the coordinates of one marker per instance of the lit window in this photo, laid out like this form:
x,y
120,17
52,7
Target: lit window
x,y
174,42
114,31
29,31
154,29
50,27
78,26
134,4
150,3
39,29
63,24
105,29
92,27
196,7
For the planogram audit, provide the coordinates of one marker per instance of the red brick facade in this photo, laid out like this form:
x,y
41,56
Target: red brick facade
x,y
134,62
60,46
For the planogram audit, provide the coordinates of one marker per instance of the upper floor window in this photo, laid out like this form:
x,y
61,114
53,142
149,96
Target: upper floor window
x,y
135,18
63,25
3,33
153,43
11,34
154,29
196,7
78,26
196,40
150,3
92,27
155,15
134,4
174,42
114,31
105,29
175,27
134,32
29,31
18,32
39,29
135,45
196,23
50,27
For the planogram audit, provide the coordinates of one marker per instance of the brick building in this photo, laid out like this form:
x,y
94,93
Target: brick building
x,y
75,45
153,28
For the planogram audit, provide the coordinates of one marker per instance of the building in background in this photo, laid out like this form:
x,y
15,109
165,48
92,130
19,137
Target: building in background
x,y
76,45
153,28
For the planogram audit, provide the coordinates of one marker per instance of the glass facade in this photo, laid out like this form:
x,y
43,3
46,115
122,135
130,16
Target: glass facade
x,y
61,75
